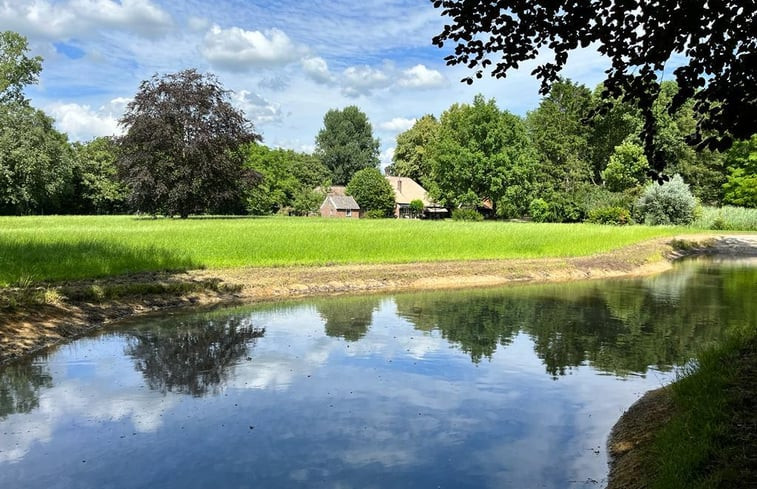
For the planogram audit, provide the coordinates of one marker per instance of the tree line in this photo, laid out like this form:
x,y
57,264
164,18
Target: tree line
x,y
187,150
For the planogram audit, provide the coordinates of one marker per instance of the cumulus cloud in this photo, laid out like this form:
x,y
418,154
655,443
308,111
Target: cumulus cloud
x,y
82,123
421,77
317,70
256,108
398,124
362,80
78,17
236,49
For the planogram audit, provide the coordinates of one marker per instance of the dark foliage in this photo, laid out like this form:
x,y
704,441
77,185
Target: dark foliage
x,y
183,150
639,37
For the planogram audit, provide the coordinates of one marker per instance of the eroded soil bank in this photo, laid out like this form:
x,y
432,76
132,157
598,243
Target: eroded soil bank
x,y
40,317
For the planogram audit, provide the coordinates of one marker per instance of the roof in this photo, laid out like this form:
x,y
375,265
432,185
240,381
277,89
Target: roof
x,y
346,202
340,190
407,190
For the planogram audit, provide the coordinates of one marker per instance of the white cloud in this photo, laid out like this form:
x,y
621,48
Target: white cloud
x,y
82,123
256,108
198,24
421,77
386,157
398,124
317,69
236,49
80,17
362,80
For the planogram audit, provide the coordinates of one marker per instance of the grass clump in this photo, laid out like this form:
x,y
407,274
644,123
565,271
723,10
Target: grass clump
x,y
709,442
727,218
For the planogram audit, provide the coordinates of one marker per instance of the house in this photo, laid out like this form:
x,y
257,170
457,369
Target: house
x,y
340,206
407,190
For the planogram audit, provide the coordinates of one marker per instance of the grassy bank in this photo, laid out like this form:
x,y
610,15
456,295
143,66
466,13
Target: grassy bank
x,y
34,249
711,439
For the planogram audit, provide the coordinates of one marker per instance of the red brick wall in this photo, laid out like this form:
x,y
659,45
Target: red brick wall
x,y
327,210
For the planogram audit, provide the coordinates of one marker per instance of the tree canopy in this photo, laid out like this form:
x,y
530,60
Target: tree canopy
x,y
16,69
183,151
714,42
372,191
346,143
482,153
411,157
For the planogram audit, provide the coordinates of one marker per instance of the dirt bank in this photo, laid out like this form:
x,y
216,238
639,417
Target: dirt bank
x,y
33,319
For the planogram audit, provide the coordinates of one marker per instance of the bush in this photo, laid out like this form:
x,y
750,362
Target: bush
x,y
416,208
540,210
374,214
669,203
627,168
618,216
465,214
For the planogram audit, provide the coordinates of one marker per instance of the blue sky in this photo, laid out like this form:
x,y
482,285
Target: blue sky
x,y
288,62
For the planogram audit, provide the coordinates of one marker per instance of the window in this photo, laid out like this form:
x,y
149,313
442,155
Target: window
x,y
349,213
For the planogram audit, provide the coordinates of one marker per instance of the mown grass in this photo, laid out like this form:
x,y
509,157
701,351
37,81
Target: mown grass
x,y
727,218
56,248
711,439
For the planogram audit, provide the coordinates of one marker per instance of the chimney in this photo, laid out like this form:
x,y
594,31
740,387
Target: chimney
x,y
399,185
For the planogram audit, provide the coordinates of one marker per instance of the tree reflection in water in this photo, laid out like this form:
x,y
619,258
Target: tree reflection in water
x,y
348,317
193,357
20,386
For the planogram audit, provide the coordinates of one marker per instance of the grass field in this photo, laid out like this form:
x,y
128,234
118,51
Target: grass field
x,y
54,248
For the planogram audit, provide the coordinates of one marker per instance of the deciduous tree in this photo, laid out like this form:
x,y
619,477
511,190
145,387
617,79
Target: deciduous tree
x,y
346,143
183,151
372,191
411,155
16,69
713,41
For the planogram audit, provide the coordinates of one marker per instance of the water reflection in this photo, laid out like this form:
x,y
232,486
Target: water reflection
x,y
194,356
20,386
347,317
443,388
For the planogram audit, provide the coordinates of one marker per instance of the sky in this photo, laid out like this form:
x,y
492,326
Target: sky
x,y
287,62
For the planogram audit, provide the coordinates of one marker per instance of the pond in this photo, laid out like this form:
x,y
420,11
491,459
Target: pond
x,y
509,387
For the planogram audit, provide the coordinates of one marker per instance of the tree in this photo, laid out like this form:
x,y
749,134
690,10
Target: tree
x,y
741,187
560,134
16,69
372,191
346,144
35,161
285,175
183,151
411,157
97,189
715,40
627,168
482,153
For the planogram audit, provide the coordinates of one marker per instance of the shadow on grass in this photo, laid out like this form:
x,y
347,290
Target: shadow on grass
x,y
26,263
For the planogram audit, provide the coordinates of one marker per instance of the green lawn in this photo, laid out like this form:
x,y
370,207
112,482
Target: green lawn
x,y
36,249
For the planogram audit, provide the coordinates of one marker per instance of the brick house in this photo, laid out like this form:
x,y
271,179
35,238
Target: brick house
x,y
407,190
340,206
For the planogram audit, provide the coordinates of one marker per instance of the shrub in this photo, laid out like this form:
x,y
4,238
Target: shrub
x,y
626,169
540,210
465,214
669,203
372,191
609,215
416,208
374,214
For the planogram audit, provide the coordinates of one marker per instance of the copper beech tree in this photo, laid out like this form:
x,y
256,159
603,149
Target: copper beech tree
x,y
184,147
713,45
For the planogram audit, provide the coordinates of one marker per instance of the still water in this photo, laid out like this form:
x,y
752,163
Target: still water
x,y
512,387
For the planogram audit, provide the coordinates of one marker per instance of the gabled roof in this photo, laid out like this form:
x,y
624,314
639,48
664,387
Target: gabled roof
x,y
407,190
343,202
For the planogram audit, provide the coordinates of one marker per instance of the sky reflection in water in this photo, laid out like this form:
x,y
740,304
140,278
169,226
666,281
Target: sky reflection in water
x,y
515,387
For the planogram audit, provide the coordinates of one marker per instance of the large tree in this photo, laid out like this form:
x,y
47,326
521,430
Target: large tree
x,y
36,162
482,153
714,43
97,189
183,151
411,157
346,143
372,191
16,69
